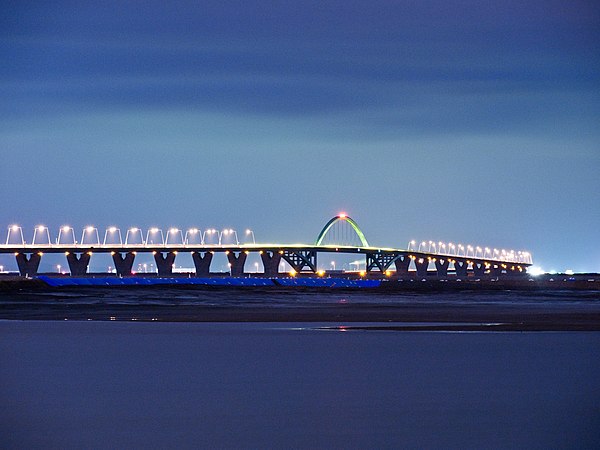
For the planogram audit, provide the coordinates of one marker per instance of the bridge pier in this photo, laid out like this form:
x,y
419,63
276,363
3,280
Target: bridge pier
x,y
28,265
402,264
271,262
479,268
496,270
123,262
164,262
78,265
460,268
441,267
202,263
236,263
422,265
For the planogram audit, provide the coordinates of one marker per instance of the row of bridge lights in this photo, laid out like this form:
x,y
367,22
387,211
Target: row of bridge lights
x,y
90,232
442,248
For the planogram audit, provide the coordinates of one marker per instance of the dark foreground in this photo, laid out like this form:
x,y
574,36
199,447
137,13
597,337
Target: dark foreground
x,y
468,310
293,385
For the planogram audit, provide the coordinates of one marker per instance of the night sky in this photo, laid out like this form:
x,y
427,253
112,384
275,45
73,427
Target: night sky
x,y
474,122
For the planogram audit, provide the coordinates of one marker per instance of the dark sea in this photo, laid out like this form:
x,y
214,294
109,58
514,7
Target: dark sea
x,y
135,382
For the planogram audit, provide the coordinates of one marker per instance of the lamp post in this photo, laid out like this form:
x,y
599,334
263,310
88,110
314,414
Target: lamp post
x,y
250,232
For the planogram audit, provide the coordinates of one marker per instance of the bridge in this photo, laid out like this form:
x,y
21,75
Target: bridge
x,y
340,235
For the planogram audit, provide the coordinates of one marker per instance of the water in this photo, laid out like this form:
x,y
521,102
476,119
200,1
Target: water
x,y
92,384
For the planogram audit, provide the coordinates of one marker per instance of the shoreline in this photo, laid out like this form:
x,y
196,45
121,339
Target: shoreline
x,y
559,282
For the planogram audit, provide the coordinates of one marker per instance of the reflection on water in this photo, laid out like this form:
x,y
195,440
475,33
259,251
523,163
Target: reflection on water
x,y
222,385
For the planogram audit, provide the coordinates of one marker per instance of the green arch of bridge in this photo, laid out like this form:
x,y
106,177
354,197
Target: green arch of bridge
x,y
341,217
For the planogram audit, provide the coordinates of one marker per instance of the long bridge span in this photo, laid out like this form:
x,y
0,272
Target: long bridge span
x,y
423,259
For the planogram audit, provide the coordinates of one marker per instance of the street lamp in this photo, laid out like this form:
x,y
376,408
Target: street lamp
x,y
58,268
210,232
256,267
110,234
250,232
137,233
333,265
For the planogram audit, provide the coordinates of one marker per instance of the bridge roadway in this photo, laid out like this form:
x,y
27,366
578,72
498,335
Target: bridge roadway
x,y
302,258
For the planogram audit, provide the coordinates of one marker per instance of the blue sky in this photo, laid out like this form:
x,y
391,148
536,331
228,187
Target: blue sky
x,y
474,122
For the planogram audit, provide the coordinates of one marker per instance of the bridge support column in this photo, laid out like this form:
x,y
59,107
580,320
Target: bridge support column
x,y
422,264
496,270
123,262
402,264
78,265
237,263
164,262
460,268
441,267
271,262
479,268
28,265
202,263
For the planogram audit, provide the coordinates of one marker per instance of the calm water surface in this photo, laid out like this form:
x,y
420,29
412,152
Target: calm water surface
x,y
71,384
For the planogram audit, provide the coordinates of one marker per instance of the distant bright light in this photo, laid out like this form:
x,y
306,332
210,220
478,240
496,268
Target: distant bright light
x,y
41,228
14,228
173,230
569,272
89,229
112,229
66,228
342,215
153,230
134,230
535,271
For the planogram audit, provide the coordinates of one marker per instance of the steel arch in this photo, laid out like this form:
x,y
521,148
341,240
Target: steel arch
x,y
342,217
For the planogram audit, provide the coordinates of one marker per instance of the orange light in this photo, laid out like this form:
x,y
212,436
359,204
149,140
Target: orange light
x,y
342,215
362,273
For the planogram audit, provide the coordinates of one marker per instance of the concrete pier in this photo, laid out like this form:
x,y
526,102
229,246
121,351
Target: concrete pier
x,y
78,265
202,263
236,263
164,262
270,262
123,262
421,264
28,265
461,267
441,267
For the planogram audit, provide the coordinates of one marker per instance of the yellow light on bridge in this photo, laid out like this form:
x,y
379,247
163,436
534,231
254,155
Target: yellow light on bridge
x,y
362,273
320,273
293,273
